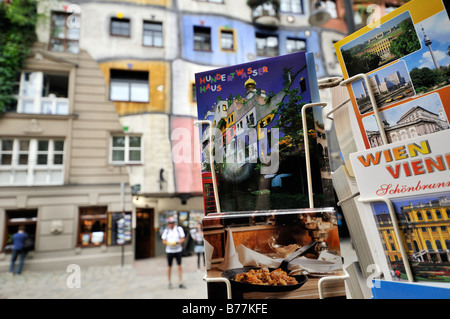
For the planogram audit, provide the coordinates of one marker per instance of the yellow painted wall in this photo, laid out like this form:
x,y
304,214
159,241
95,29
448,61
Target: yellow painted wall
x,y
159,83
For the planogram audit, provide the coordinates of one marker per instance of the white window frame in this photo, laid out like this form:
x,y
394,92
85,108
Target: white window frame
x,y
154,33
126,149
291,6
263,48
32,93
32,172
129,86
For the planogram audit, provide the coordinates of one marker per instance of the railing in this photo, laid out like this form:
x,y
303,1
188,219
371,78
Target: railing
x,y
43,105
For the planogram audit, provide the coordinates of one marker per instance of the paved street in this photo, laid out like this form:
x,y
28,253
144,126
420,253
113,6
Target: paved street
x,y
145,279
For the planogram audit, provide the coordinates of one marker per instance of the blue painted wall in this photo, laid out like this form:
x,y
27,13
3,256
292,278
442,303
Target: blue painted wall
x,y
245,41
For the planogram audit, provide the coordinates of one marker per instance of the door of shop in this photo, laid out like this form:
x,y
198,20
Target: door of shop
x,y
145,237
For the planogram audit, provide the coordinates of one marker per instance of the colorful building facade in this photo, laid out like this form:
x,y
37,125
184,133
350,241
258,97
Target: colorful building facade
x,y
130,107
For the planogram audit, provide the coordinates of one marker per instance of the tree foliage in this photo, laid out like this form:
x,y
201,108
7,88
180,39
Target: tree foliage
x,y
363,63
426,79
407,42
290,118
18,20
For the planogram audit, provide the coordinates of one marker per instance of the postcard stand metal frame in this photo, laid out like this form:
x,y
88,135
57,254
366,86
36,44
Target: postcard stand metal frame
x,y
380,198
310,193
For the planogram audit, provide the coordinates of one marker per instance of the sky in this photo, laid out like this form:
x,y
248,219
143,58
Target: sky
x,y
437,29
398,203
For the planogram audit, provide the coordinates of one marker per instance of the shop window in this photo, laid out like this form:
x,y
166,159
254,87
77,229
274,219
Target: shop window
x,y
120,27
266,45
31,162
129,86
152,35
65,32
93,222
202,38
43,93
126,149
15,218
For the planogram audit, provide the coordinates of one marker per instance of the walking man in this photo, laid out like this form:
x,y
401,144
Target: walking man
x,y
18,250
173,238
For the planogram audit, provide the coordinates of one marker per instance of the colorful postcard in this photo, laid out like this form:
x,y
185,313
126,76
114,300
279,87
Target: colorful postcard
x,y
405,57
254,111
273,254
415,177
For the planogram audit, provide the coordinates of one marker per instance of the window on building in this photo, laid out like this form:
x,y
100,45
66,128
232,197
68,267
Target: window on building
x,y
129,86
93,224
126,149
227,40
120,27
43,93
153,34
65,32
291,6
295,45
266,45
438,214
15,218
330,6
194,93
31,162
202,38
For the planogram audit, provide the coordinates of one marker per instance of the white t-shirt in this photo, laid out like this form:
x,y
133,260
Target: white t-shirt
x,y
173,236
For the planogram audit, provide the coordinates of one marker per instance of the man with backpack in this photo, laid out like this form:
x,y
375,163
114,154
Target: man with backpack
x,y
173,238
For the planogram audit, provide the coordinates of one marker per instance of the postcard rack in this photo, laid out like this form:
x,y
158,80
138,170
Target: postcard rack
x,y
325,83
380,198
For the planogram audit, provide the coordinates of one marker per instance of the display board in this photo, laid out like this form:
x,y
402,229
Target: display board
x,y
119,229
